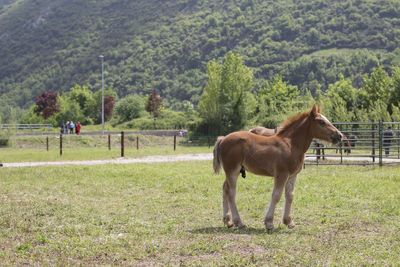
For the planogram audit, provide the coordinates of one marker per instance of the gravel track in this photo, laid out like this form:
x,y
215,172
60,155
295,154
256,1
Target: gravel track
x,y
147,159
165,158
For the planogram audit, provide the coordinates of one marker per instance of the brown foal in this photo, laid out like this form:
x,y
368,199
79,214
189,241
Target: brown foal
x,y
280,156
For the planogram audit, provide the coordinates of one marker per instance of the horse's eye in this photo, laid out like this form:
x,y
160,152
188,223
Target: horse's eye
x,y
322,123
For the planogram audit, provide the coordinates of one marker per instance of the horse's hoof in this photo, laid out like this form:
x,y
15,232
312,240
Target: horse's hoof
x,y
269,227
291,225
241,226
270,230
227,221
229,224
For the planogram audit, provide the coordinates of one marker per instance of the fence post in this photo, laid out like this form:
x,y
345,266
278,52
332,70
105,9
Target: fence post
x,y
60,144
341,144
122,144
174,142
373,141
47,143
209,142
380,142
137,142
109,141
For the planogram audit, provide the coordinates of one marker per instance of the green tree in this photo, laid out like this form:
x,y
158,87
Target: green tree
x,y
277,91
377,87
9,113
188,110
379,111
313,37
130,107
222,105
84,97
345,91
69,111
335,108
394,98
395,113
31,117
276,99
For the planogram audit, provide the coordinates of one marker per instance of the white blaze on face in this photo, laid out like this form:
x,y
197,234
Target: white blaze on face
x,y
325,118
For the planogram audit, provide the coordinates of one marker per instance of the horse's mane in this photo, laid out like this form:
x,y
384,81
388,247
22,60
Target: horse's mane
x,y
292,123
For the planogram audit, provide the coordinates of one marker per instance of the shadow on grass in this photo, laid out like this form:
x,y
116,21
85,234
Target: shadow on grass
x,y
247,231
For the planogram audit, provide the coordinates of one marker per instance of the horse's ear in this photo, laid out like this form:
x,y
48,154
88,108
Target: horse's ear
x,y
319,108
314,111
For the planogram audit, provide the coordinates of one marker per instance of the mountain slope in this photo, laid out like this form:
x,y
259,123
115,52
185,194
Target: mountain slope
x,y
55,44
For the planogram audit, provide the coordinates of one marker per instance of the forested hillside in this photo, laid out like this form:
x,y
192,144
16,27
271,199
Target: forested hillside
x,y
167,44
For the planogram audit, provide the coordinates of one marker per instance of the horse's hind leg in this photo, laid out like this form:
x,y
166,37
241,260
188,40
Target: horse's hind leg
x,y
226,212
289,195
229,202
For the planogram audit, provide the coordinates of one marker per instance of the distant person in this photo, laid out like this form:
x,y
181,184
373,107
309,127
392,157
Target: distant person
x,y
78,128
71,127
352,139
66,127
62,128
387,139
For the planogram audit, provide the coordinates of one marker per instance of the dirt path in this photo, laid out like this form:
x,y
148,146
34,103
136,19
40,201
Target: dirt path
x,y
148,159
164,158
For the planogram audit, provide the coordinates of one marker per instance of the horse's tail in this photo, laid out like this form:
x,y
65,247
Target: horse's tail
x,y
217,161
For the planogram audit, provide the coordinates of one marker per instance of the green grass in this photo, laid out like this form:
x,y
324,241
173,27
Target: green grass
x,y
332,51
170,214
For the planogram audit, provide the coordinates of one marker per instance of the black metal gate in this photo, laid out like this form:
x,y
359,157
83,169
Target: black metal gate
x,y
366,143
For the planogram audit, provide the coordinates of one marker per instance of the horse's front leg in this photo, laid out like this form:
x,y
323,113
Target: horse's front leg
x,y
279,183
289,195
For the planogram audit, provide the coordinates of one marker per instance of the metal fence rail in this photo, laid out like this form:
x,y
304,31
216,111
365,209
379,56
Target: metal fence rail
x,y
369,147
14,128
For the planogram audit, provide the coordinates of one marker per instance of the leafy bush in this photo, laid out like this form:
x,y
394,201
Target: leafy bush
x,y
70,111
4,140
130,107
167,119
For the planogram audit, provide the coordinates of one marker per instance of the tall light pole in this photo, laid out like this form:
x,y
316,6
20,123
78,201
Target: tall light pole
x,y
102,94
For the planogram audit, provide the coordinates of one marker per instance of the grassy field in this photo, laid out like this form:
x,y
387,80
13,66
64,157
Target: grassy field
x,y
170,214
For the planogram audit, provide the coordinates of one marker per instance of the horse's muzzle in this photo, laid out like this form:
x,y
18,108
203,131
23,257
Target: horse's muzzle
x,y
336,137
